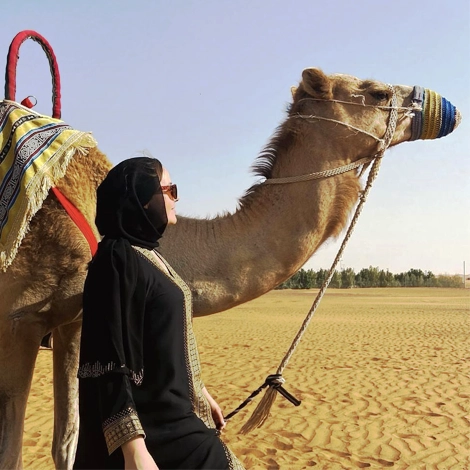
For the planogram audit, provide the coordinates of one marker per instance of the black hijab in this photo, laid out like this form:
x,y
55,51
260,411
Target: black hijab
x,y
113,297
121,198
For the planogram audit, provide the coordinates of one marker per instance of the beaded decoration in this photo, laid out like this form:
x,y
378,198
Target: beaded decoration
x,y
120,428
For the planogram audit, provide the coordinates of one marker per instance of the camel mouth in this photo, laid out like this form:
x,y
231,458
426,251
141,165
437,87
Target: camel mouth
x,y
434,117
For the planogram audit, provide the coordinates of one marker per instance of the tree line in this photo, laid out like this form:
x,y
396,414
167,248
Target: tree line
x,y
370,277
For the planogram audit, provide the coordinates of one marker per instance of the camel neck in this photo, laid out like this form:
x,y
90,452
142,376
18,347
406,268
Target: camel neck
x,y
235,258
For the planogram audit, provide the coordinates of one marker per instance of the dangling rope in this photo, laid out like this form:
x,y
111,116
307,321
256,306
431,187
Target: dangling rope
x,y
274,382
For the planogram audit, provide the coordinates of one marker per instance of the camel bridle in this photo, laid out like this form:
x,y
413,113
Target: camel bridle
x,y
383,142
275,381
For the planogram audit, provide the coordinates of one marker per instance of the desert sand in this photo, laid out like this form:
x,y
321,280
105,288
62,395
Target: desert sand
x,y
383,375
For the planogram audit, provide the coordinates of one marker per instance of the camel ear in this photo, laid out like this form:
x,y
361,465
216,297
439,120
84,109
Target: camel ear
x,y
317,84
293,89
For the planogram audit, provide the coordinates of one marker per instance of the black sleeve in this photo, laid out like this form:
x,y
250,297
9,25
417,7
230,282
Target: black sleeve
x,y
119,417
111,354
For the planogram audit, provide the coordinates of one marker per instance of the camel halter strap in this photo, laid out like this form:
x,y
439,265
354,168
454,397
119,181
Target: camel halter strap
x,y
321,174
409,111
275,381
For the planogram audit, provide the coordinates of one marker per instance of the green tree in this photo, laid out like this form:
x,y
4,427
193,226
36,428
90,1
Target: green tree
x,y
348,278
368,277
306,279
336,280
445,280
322,274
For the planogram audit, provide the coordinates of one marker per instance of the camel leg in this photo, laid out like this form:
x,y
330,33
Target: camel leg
x,y
19,345
65,352
68,308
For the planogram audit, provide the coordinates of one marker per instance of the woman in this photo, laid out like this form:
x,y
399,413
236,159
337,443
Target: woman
x,y
142,402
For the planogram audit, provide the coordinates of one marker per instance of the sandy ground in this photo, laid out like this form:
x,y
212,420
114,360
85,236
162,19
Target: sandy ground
x,y
383,375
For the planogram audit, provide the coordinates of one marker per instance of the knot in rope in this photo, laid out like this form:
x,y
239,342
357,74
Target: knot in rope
x,y
274,380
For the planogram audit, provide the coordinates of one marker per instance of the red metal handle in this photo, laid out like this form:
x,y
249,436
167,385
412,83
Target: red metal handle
x,y
12,62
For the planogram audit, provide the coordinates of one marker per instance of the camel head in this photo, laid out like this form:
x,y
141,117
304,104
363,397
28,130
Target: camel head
x,y
359,111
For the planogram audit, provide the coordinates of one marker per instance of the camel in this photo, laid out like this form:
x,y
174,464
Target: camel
x,y
226,261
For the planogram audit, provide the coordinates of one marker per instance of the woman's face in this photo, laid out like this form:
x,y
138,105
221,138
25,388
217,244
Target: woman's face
x,y
169,201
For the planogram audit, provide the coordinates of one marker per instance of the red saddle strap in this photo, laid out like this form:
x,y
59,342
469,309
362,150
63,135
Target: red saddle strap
x,y
79,220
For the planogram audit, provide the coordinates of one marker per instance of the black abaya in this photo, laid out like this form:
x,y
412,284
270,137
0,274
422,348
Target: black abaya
x,y
164,400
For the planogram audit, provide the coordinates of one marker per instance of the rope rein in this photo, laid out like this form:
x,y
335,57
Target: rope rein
x,y
321,174
350,126
413,107
274,382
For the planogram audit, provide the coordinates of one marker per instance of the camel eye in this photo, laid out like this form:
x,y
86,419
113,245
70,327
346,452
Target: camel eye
x,y
380,95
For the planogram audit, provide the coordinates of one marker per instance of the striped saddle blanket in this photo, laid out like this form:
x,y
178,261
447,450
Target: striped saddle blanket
x,y
35,151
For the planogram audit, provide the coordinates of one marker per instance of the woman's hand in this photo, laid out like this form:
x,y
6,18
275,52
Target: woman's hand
x,y
136,455
216,411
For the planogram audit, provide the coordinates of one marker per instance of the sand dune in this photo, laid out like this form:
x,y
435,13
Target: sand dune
x,y
383,377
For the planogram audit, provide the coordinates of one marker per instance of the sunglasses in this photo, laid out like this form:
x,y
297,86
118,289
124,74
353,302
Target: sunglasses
x,y
172,190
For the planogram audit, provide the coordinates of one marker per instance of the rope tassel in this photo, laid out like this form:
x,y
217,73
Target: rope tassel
x,y
261,413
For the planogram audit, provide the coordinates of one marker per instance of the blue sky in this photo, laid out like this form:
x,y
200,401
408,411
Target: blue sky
x,y
203,84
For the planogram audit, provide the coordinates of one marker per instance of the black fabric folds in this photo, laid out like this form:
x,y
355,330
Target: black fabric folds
x,y
113,297
113,313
